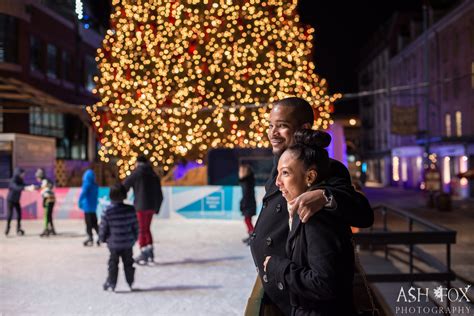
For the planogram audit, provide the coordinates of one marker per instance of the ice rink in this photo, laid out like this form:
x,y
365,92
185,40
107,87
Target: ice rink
x,y
202,268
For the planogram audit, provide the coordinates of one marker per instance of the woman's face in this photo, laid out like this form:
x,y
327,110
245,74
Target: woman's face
x,y
292,177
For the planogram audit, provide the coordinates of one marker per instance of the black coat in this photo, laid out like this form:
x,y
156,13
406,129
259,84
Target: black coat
x,y
320,271
15,186
119,226
271,230
248,205
146,188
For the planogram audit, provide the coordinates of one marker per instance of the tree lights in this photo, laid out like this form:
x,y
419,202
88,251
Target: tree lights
x,y
180,77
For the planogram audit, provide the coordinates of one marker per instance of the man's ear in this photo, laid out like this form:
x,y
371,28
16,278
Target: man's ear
x,y
311,176
306,125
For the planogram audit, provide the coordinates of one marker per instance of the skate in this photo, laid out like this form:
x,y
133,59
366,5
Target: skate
x,y
20,232
51,229
247,240
107,285
45,233
151,255
97,243
7,230
88,242
142,259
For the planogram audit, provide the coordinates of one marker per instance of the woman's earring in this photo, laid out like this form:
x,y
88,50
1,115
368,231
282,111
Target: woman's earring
x,y
309,184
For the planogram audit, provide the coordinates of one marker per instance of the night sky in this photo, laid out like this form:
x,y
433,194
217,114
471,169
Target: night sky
x,y
343,27
342,30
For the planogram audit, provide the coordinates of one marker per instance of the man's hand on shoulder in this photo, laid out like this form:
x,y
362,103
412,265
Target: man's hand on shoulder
x,y
308,204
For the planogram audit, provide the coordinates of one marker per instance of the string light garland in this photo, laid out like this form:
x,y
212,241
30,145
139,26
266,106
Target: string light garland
x,y
178,78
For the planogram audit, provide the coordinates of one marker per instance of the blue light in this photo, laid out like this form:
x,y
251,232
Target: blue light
x,y
86,26
364,167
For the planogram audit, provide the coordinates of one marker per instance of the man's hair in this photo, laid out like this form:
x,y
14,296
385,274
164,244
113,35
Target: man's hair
x,y
118,192
303,112
142,159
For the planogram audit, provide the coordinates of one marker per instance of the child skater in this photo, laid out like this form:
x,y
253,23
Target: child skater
x,y
119,229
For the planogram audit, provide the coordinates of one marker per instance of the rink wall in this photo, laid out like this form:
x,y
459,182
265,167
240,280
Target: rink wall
x,y
196,202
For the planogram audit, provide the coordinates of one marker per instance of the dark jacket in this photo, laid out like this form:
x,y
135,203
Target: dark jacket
x,y
320,271
119,226
146,188
271,230
248,205
89,193
15,186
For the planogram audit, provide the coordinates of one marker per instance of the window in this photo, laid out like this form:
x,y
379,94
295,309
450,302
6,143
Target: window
x,y
47,123
36,54
90,68
8,39
458,118
447,122
67,67
52,71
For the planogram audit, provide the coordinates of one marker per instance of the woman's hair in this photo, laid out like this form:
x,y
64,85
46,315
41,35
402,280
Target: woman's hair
x,y
309,148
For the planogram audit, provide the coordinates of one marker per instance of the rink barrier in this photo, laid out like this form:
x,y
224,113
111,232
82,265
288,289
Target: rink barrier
x,y
193,202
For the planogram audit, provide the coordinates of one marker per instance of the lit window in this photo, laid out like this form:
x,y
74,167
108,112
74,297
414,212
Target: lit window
x,y
446,170
395,170
458,123
447,122
404,170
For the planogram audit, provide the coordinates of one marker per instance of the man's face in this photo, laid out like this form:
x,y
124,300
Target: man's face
x,y
282,128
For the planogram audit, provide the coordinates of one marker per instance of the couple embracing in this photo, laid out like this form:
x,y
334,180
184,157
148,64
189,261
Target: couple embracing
x,y
302,243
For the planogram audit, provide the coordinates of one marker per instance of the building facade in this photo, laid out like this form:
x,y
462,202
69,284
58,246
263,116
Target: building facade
x,y
47,65
422,112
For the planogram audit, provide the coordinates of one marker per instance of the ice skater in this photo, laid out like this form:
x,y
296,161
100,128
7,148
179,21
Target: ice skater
x,y
49,198
119,229
146,186
248,205
88,200
15,188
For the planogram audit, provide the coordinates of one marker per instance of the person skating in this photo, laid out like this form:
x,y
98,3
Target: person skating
x,y
88,200
148,197
248,205
49,198
15,188
119,229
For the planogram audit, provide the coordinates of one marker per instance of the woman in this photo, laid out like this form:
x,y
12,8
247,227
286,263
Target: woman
x,y
248,205
319,269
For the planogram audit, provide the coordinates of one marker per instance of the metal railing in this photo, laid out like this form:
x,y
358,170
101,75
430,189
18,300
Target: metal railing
x,y
427,233
431,234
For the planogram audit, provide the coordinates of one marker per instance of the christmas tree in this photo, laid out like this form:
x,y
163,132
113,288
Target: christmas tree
x,y
180,77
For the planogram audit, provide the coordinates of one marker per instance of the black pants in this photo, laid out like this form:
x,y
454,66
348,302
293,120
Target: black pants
x,y
91,224
127,260
10,206
48,216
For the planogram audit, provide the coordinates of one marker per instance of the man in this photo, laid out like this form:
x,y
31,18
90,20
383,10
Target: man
x,y
148,197
15,187
271,230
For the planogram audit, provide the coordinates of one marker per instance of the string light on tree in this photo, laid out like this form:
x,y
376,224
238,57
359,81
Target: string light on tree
x,y
180,77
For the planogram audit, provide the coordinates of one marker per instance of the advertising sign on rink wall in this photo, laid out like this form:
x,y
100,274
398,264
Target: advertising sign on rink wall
x,y
196,202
